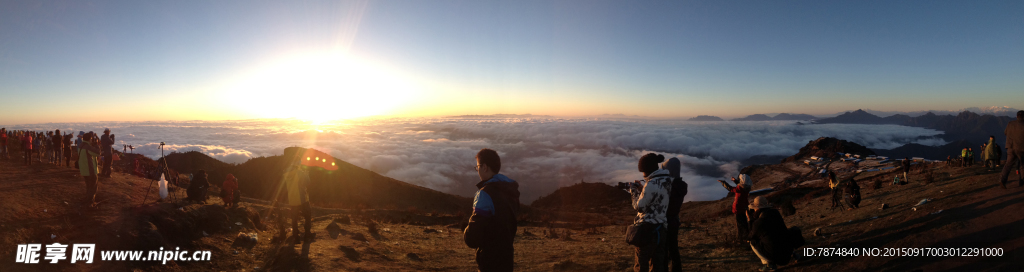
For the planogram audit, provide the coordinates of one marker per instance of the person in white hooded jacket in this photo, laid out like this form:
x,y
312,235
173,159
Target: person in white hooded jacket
x,y
650,200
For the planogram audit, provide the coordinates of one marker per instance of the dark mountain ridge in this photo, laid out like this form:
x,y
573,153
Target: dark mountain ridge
x,y
828,147
348,187
706,118
793,117
754,117
967,125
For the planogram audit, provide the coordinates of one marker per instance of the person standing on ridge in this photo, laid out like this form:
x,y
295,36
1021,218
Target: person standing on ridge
x,y
296,180
741,193
970,156
493,225
1014,148
650,199
227,191
197,187
675,202
906,170
105,146
58,147
3,144
67,150
992,154
963,157
37,146
78,142
26,145
88,167
837,194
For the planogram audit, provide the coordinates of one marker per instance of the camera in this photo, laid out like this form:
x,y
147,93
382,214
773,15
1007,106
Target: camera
x,y
622,186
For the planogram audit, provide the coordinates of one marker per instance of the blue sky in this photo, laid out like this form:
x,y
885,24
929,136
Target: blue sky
x,y
132,60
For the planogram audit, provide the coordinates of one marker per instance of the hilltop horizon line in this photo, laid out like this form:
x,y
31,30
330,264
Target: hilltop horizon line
x,y
991,110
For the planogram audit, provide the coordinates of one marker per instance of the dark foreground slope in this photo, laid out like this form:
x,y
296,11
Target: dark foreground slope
x,y
348,187
966,209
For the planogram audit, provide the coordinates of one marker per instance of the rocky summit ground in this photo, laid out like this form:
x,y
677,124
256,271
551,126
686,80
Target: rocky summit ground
x,y
965,208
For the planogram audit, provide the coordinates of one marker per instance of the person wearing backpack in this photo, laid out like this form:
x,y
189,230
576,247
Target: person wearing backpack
x,y
650,199
675,201
851,191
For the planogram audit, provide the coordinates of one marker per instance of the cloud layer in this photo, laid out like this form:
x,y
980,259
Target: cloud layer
x,y
541,153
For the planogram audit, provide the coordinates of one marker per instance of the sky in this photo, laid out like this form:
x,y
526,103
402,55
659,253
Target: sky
x,y
86,61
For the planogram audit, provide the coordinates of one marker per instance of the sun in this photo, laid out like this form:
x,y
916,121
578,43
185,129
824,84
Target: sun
x,y
320,86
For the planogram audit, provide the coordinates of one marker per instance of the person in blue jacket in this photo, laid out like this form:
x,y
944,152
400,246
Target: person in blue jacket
x,y
493,226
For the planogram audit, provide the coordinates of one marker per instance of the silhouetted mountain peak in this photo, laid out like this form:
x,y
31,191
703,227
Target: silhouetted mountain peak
x,y
754,117
706,118
829,147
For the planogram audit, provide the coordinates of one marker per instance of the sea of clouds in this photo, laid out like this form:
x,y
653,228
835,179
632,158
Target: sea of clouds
x,y
541,153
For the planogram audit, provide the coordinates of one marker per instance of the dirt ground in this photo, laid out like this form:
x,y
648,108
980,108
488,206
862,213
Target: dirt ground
x,y
967,209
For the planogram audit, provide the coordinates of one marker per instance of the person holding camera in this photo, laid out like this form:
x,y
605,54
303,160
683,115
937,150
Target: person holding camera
x,y
493,225
650,199
741,192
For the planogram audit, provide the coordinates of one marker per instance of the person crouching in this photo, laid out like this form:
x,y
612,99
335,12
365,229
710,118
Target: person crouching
x,y
650,198
769,238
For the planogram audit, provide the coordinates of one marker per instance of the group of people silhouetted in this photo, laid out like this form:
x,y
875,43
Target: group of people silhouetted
x,y
56,148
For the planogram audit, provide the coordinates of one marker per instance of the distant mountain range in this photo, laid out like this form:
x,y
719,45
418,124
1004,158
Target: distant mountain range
x,y
993,110
931,152
778,117
706,118
759,117
966,129
863,119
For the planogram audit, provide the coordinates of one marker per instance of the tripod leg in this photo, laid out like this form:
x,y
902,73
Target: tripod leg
x,y
147,193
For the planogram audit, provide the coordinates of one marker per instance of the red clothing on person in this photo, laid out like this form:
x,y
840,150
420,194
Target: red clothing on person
x,y
740,203
27,141
228,189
